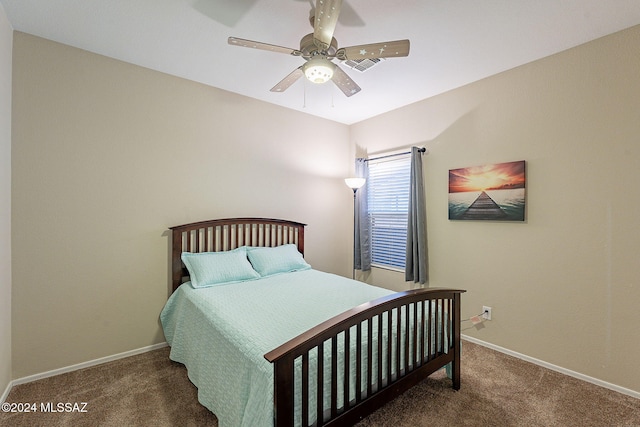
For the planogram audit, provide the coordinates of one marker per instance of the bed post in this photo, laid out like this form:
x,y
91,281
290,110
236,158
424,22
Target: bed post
x,y
283,391
176,250
455,371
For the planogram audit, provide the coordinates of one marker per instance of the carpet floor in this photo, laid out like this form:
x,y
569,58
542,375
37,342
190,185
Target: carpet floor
x,y
497,390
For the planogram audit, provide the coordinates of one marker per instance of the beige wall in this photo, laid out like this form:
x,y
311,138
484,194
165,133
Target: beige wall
x,y
107,155
564,285
6,42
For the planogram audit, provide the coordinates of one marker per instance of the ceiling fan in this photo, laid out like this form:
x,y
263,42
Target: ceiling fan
x,y
320,48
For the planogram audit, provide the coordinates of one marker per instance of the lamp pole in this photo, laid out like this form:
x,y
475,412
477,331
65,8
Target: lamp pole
x,y
354,184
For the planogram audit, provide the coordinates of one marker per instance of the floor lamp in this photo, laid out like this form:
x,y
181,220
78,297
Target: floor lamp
x,y
354,184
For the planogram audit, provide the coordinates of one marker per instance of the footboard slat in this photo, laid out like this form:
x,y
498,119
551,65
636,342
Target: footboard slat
x,y
398,332
429,341
334,376
414,352
346,369
421,334
406,338
305,389
389,347
437,339
320,385
369,356
358,384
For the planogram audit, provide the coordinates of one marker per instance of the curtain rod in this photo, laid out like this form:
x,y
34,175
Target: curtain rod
x,y
420,150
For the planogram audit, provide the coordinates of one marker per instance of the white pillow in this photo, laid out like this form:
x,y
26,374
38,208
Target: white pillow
x,y
218,268
280,259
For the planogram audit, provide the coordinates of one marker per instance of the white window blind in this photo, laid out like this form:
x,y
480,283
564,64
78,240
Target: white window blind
x,y
388,200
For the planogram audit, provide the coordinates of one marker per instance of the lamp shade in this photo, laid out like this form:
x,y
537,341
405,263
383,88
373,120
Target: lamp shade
x,y
318,70
354,183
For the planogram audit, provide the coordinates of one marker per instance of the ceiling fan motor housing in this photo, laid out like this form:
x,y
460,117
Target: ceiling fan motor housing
x,y
309,48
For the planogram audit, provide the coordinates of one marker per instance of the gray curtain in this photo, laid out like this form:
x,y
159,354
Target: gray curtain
x,y
362,233
416,266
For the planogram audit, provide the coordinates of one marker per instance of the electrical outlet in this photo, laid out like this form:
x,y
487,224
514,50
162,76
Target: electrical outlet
x,y
486,312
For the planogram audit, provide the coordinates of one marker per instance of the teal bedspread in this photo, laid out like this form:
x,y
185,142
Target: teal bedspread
x,y
221,334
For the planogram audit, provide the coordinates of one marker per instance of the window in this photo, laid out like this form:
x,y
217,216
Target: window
x,y
388,200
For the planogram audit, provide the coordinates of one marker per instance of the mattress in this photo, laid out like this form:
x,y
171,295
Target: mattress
x,y
221,334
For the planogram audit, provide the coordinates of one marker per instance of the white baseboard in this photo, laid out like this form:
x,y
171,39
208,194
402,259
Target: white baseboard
x,y
6,392
78,366
556,368
521,356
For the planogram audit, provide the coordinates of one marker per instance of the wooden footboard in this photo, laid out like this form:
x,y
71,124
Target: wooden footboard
x,y
345,368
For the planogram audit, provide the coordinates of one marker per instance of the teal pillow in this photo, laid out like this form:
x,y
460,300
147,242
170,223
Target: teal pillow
x,y
279,259
218,268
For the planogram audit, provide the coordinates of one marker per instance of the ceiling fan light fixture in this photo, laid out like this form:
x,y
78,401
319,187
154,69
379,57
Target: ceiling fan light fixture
x,y
318,70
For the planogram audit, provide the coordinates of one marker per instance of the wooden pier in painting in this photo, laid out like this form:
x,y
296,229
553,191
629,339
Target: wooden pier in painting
x,y
484,208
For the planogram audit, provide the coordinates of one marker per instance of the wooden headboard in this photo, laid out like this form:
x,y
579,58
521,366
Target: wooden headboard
x,y
226,234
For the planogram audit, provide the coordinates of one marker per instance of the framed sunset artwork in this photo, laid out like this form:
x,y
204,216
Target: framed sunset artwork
x,y
489,193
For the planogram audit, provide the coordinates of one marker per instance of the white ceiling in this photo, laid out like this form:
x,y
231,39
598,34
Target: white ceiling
x,y
453,42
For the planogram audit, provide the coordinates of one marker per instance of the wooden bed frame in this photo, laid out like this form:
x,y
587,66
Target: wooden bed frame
x,y
418,320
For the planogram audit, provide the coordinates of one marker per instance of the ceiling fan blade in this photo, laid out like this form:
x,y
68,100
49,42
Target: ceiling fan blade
x,y
226,12
234,41
349,17
326,17
374,50
288,81
344,82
